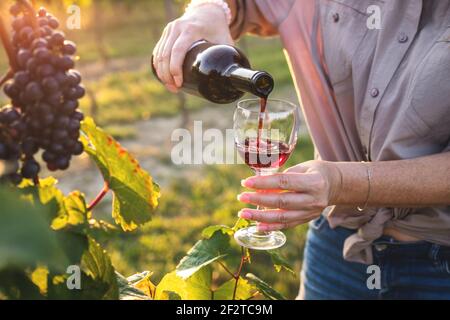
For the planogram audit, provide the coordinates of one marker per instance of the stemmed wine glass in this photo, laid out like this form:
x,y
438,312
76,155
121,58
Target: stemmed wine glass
x,y
265,135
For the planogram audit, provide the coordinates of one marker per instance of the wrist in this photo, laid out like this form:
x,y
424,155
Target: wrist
x,y
354,187
211,6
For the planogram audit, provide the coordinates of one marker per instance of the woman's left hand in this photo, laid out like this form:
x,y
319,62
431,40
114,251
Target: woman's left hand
x,y
294,197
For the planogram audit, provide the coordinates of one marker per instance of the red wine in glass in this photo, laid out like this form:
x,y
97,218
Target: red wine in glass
x,y
264,153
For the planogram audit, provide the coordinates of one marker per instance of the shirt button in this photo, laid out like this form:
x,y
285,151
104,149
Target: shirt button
x,y
335,17
374,92
402,37
380,247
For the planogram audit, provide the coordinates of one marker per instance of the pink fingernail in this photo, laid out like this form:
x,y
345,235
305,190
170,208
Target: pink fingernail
x,y
245,214
244,197
249,183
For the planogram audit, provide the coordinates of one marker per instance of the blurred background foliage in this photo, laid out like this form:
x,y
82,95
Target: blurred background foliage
x,y
115,44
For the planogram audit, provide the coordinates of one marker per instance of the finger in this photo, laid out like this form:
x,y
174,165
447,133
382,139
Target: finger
x,y
284,200
299,168
179,50
158,53
275,216
173,35
282,181
277,226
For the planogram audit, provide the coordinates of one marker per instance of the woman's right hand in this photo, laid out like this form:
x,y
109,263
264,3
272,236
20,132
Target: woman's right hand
x,y
205,22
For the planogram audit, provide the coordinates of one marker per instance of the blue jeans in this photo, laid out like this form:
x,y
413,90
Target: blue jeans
x,y
419,270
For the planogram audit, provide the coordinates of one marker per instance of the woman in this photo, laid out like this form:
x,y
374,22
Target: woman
x,y
377,104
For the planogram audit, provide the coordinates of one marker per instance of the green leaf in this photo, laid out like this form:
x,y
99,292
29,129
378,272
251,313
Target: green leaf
x,y
197,287
208,232
244,290
264,288
97,265
240,223
25,237
135,195
73,213
127,291
280,263
203,253
16,284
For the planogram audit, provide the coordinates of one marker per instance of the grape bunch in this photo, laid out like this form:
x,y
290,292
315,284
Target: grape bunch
x,y
44,93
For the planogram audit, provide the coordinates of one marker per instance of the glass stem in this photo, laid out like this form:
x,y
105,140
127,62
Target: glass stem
x,y
263,172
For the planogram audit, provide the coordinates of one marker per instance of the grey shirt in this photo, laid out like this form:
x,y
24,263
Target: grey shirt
x,y
367,94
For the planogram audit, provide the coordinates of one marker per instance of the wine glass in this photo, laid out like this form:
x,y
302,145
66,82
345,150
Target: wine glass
x,y
265,133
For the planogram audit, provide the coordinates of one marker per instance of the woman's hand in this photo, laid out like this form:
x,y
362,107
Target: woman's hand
x,y
292,198
206,22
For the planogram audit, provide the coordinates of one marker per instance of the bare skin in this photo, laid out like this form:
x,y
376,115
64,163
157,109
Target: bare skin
x,y
302,192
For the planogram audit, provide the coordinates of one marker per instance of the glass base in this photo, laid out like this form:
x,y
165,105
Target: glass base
x,y
253,239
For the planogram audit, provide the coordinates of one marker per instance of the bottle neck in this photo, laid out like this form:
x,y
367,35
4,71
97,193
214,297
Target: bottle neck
x,y
259,83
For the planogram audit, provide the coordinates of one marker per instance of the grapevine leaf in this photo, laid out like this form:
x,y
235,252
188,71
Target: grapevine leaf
x,y
127,291
98,266
135,194
142,282
264,288
208,232
244,290
280,263
73,213
25,237
197,287
39,277
240,223
15,284
203,253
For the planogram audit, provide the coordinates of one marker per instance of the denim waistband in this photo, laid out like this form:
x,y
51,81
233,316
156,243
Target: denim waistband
x,y
418,249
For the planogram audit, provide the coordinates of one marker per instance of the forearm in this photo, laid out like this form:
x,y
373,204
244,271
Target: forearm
x,y
420,182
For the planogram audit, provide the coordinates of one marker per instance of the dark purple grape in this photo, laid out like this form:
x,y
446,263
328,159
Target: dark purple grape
x,y
74,125
33,92
21,78
32,65
69,106
69,48
42,22
74,78
25,33
78,149
46,31
60,135
78,115
42,54
30,169
62,78
39,43
50,84
57,39
66,63
55,99
45,143
22,57
45,70
30,147
10,115
51,166
62,163
47,118
11,90
43,108
53,23
47,156
62,122
57,148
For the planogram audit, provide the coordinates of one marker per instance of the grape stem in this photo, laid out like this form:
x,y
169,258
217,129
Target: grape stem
x,y
99,197
31,13
7,45
238,273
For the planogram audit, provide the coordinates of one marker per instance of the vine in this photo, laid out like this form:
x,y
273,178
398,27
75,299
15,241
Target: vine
x,y
60,229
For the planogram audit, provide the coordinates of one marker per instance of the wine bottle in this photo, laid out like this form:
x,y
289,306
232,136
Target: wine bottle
x,y
222,74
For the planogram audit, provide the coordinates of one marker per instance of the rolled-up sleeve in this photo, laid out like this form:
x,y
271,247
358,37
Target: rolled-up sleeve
x,y
259,17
